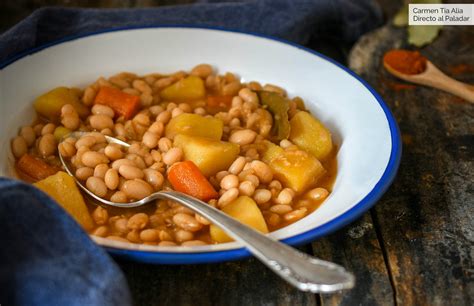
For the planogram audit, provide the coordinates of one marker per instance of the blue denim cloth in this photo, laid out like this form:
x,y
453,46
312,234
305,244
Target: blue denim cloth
x,y
45,257
295,20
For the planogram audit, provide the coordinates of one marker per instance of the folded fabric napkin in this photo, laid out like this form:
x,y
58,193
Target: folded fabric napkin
x,y
45,257
295,20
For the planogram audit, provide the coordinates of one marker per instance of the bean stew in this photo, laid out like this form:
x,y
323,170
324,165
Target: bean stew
x,y
245,148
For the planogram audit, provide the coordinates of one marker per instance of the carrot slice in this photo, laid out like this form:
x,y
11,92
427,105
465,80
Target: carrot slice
x,y
123,104
218,103
187,178
34,169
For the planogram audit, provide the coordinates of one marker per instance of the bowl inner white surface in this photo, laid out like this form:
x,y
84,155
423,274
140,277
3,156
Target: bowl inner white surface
x,y
357,121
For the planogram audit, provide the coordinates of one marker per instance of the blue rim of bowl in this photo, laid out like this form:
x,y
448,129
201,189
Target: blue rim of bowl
x,y
219,256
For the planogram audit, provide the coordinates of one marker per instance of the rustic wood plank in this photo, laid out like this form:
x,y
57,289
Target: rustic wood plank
x,y
357,248
426,218
246,282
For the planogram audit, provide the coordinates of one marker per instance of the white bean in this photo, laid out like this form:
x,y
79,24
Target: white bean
x,y
28,134
150,139
247,188
187,222
237,165
136,189
99,137
97,186
130,172
100,215
113,152
100,122
123,161
281,209
100,170
262,196
295,214
317,194
48,129
66,149
172,156
84,173
139,162
111,179
47,145
92,159
248,95
119,197
285,196
229,181
262,170
142,119
228,196
99,109
85,141
157,128
243,137
202,70
19,146
164,144
154,178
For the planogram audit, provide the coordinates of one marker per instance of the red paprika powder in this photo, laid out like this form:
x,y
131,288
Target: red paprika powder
x,y
406,62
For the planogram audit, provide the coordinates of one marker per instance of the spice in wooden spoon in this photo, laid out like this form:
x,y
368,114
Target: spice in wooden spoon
x,y
406,62
413,67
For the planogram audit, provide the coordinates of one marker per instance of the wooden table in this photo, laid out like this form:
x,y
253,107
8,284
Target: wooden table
x,y
415,247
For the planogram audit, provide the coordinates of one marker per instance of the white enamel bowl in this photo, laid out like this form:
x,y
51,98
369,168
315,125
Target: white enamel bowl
x,y
361,123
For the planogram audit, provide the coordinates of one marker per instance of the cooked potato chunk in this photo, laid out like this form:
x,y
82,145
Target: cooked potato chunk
x,y
211,156
246,211
195,125
310,135
49,105
63,189
190,88
271,151
297,169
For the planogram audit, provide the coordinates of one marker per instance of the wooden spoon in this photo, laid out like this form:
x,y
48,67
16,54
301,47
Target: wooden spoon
x,y
434,77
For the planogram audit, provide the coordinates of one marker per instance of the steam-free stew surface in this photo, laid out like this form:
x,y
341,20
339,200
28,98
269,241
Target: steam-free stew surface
x,y
246,149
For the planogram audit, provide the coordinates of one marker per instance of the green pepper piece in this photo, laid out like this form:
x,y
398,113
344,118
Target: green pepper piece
x,y
278,106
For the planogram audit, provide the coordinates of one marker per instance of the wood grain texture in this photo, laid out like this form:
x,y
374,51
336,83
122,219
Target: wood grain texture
x,y
245,282
357,248
425,220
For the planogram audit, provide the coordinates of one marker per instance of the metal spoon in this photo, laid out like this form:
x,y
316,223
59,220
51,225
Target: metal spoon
x,y
305,272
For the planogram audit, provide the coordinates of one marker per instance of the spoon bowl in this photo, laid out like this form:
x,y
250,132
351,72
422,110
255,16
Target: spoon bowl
x,y
109,139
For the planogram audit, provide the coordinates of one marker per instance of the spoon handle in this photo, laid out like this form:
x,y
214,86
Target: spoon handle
x,y
459,89
441,81
299,269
